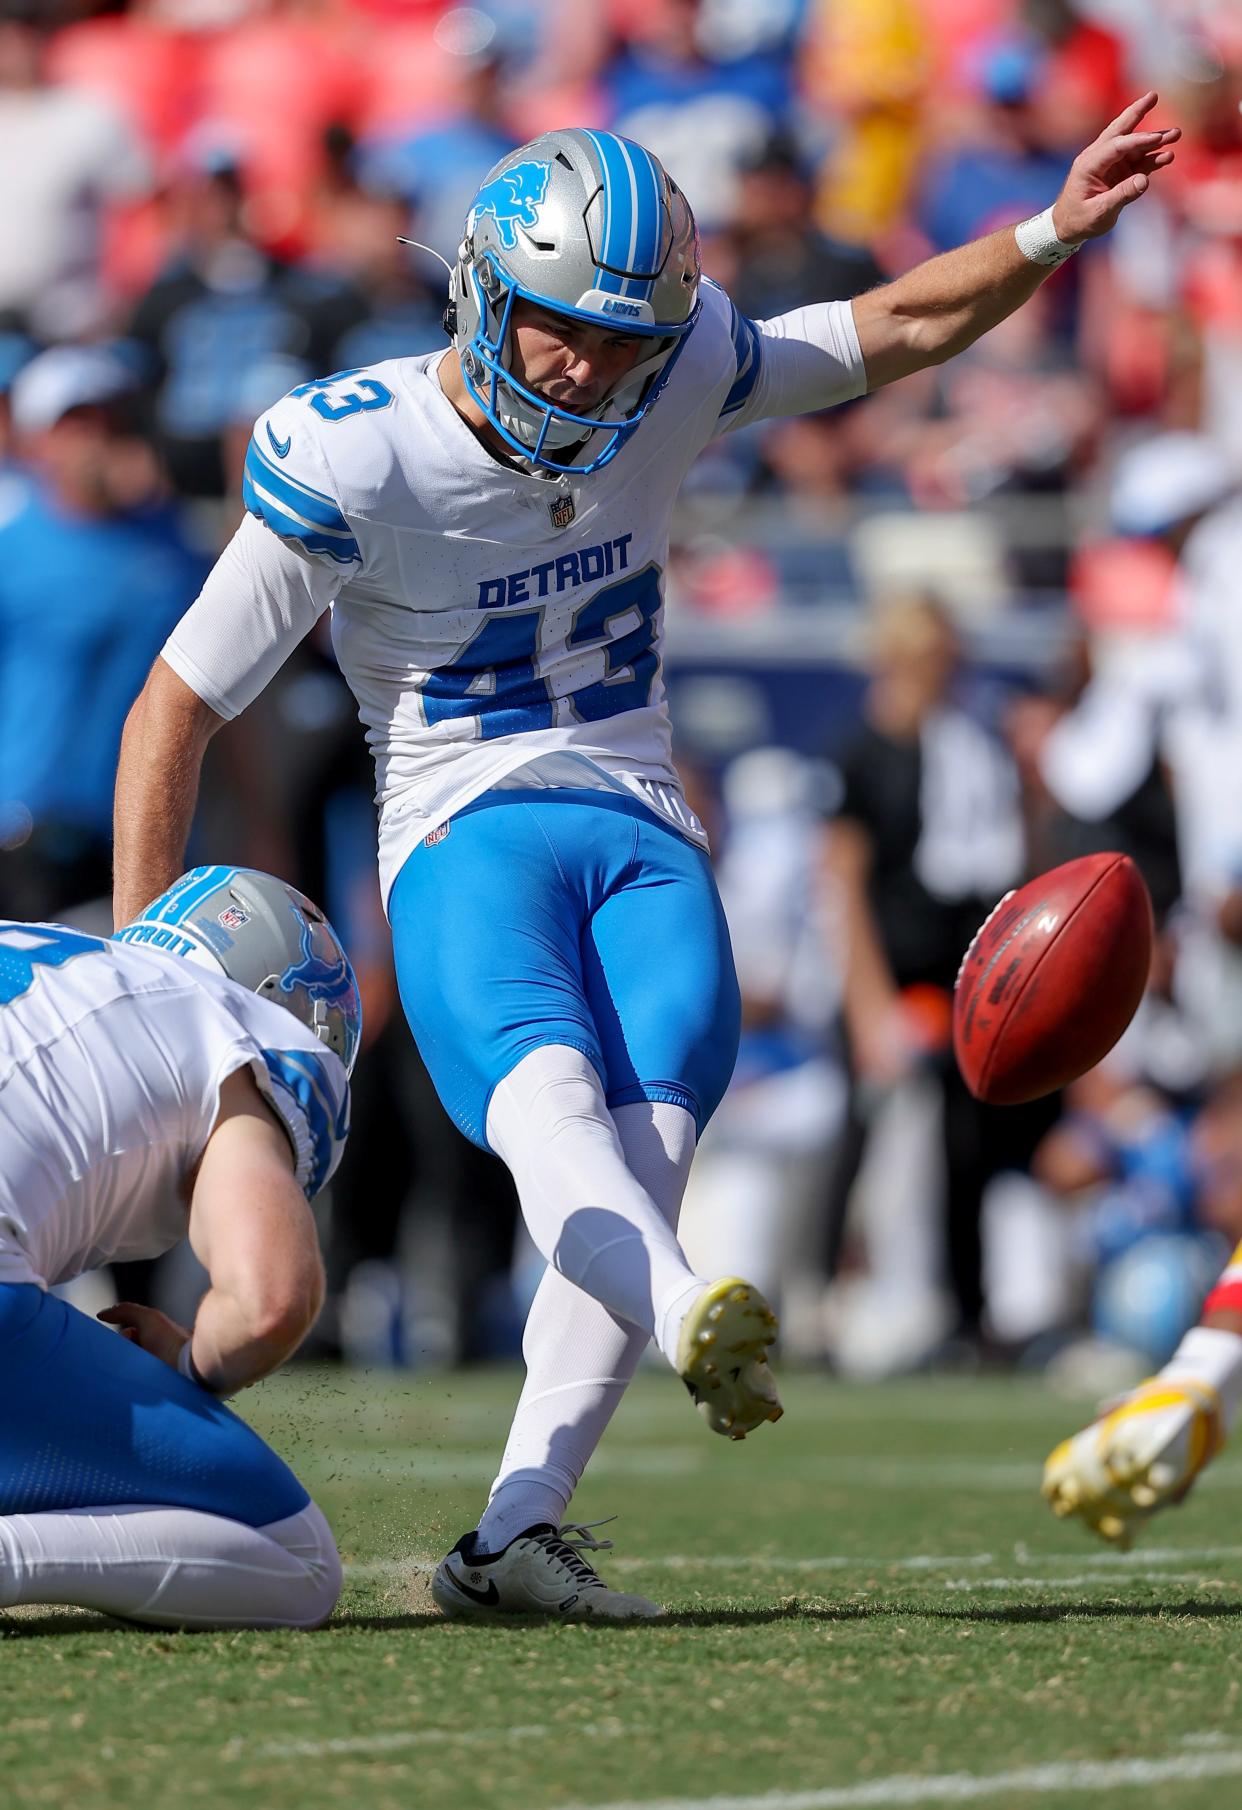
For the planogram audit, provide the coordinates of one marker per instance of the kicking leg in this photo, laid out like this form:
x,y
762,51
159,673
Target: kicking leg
x,y
593,1220
584,1206
579,1355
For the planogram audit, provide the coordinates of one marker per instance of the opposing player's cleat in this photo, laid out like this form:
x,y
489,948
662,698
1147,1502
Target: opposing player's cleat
x,y
1140,1456
722,1353
541,1572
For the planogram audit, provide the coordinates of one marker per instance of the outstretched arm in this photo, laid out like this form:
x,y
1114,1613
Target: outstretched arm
x,y
939,308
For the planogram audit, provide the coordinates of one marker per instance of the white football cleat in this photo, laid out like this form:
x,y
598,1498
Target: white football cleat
x,y
1140,1456
722,1353
541,1572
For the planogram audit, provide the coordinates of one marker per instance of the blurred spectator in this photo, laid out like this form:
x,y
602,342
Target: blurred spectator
x,y
1092,776
66,155
1083,77
867,66
1126,1157
700,110
359,223
15,351
438,166
925,838
773,257
1010,162
221,305
1160,677
94,572
757,1188
1013,414
274,81
1209,252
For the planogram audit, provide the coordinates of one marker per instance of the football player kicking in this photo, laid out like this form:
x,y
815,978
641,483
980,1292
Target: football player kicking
x,y
146,1092
491,525
1144,1453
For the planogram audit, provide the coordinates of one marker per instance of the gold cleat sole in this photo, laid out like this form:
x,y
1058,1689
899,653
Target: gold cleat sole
x,y
1106,1478
722,1358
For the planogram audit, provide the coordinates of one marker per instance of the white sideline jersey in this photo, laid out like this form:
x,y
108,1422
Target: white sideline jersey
x,y
111,1062
494,625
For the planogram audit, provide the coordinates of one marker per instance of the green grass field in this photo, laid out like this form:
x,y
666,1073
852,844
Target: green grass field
x,y
870,1606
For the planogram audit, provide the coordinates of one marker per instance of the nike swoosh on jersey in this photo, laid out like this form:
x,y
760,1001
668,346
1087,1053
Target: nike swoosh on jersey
x,y
488,1597
279,447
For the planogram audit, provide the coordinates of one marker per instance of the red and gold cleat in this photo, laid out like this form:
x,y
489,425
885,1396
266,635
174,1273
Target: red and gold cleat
x,y
1142,1455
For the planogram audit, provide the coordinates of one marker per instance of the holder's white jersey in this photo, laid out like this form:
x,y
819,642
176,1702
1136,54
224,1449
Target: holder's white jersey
x,y
491,622
111,1062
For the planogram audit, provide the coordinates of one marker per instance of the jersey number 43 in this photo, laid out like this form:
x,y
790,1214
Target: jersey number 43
x,y
495,676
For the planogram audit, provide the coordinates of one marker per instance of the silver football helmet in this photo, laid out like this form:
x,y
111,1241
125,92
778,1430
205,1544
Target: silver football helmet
x,y
267,936
589,225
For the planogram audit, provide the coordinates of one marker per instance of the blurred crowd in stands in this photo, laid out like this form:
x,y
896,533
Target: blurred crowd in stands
x,y
920,646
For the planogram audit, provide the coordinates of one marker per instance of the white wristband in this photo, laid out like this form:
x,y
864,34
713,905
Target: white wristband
x,y
1037,240
186,1365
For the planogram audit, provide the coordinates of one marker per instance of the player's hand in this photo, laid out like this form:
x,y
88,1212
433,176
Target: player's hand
x,y
149,1328
1111,173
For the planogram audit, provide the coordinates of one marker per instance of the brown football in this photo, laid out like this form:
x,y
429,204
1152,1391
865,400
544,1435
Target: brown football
x,y
1052,978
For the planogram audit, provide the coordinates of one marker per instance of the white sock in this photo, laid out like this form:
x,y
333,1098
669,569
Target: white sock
x,y
173,1567
579,1356
586,1210
1210,1354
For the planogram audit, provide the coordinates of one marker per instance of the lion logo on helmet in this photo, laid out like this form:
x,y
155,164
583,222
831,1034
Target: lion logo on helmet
x,y
513,199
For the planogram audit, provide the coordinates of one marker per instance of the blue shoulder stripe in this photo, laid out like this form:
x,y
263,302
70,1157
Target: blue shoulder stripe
x,y
298,498
747,351
259,501
302,1075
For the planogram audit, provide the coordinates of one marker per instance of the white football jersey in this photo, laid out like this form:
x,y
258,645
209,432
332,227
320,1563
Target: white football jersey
x,y
489,621
111,1063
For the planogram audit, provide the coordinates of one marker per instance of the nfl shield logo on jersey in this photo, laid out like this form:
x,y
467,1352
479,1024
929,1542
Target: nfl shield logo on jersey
x,y
562,511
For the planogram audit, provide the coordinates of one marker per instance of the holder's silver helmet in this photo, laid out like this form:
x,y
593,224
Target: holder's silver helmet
x,y
589,225
267,936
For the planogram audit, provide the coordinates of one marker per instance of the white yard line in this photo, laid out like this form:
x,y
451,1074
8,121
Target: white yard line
x,y
1075,1580
436,1463
1104,1567
683,1561
342,1746
966,1787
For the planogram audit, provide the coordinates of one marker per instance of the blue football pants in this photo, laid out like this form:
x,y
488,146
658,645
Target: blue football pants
x,y
91,1421
566,917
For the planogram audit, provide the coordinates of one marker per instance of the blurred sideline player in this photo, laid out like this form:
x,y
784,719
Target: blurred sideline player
x,y
144,1096
1145,1452
491,526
